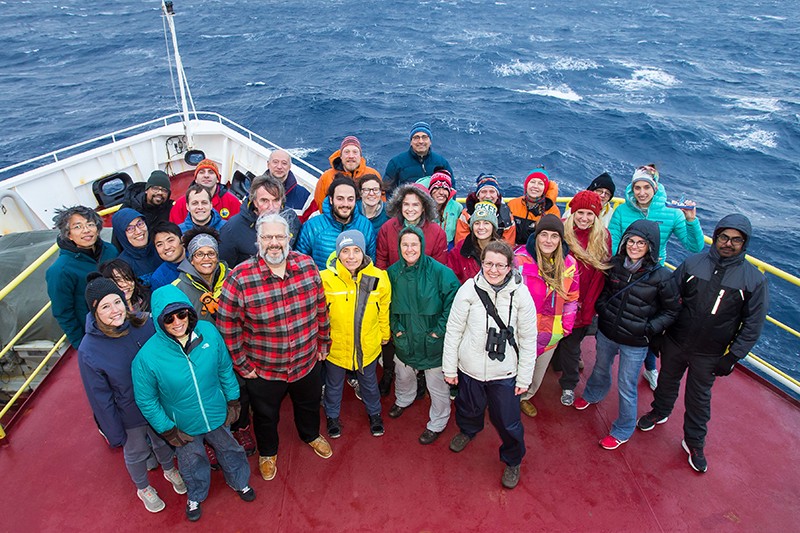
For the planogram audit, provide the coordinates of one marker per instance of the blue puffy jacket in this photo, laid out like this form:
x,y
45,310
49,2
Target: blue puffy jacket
x,y
318,235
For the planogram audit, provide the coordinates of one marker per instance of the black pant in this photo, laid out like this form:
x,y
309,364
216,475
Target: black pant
x,y
568,355
674,362
266,397
244,401
387,358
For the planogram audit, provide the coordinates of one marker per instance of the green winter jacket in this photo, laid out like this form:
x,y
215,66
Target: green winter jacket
x,y
188,390
421,298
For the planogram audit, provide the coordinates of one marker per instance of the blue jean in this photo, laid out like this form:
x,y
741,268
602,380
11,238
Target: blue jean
x,y
334,388
630,362
650,360
196,470
137,449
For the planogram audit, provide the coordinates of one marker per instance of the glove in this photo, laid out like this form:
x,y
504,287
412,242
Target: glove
x,y
234,410
176,437
725,365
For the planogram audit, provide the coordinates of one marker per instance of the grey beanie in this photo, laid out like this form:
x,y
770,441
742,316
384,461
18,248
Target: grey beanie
x,y
351,237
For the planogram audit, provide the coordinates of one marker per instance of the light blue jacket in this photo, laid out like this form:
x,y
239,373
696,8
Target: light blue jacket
x,y
318,235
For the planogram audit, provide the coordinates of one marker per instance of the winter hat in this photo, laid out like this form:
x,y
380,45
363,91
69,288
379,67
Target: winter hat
x,y
158,178
441,178
486,180
586,200
539,174
206,163
484,211
351,237
350,140
549,222
646,173
98,287
603,181
202,239
423,127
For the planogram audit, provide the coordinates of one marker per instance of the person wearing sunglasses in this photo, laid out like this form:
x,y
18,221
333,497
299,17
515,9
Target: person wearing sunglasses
x,y
133,235
201,273
724,301
185,387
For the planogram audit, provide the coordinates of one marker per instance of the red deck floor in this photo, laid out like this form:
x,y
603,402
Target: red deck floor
x,y
57,474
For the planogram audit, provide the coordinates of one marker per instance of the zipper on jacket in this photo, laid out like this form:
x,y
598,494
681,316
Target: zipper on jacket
x,y
716,304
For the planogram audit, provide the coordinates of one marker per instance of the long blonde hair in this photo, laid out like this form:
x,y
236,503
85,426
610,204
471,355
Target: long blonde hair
x,y
552,269
596,253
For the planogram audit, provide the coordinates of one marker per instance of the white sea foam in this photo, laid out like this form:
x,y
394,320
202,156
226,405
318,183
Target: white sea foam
x,y
645,78
518,68
562,92
756,103
751,138
255,84
555,63
301,153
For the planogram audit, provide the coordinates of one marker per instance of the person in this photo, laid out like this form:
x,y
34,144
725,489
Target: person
x,y
151,199
645,199
465,257
487,190
538,199
639,300
137,250
603,186
416,162
422,293
167,241
347,161
490,353
296,197
358,295
137,297
200,213
80,251
274,318
185,387
410,205
201,274
724,301
552,278
589,243
448,209
371,204
237,238
207,174
114,334
318,235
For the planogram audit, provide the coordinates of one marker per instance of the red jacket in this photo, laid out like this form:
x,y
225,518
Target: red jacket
x,y
464,259
590,281
225,203
387,250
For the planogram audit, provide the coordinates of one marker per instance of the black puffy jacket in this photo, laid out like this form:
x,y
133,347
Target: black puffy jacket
x,y
636,306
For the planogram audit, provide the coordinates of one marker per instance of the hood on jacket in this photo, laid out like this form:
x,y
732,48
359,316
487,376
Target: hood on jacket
x,y
647,230
738,222
394,206
419,233
120,221
167,300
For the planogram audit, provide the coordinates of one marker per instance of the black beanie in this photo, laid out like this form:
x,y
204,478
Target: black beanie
x,y
158,178
549,222
98,287
603,181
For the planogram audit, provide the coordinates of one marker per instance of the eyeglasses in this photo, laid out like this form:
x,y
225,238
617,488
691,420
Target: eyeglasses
x,y
370,190
158,189
133,227
603,193
180,315
202,255
636,244
496,266
420,137
268,238
724,239
81,227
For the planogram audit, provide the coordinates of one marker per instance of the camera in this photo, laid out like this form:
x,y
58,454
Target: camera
x,y
496,342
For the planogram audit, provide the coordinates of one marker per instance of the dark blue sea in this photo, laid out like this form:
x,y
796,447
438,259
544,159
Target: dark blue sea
x,y
709,91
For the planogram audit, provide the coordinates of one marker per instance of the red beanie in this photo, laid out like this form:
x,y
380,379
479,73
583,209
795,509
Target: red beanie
x,y
539,174
587,200
350,139
206,163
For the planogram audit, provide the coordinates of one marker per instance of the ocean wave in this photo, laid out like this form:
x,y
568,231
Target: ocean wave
x,y
751,138
645,78
562,92
255,83
559,63
755,103
301,153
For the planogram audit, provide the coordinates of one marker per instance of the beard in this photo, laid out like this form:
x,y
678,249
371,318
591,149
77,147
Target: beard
x,y
272,260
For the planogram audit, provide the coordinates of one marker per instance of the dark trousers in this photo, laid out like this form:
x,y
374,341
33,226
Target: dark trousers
x,y
473,398
266,397
387,359
568,355
674,362
244,401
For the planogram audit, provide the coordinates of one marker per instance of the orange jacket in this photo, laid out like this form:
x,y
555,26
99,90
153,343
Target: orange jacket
x,y
324,181
524,219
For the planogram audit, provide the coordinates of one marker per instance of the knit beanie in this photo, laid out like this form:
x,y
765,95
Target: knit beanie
x,y
486,180
549,222
603,181
202,239
98,287
484,211
350,140
423,127
539,174
441,178
351,237
206,163
586,200
646,173
158,178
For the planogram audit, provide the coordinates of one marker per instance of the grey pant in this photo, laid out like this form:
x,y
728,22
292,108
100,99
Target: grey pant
x,y
405,390
137,450
542,362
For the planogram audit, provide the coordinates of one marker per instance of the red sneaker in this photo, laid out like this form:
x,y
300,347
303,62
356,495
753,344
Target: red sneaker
x,y
245,440
212,457
612,443
580,404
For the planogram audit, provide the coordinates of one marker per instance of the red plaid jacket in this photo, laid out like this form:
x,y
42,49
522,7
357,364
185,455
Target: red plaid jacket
x,y
271,325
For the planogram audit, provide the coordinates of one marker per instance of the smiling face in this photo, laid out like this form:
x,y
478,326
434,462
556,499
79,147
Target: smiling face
x,y
205,260
495,267
482,230
729,242
273,242
488,194
583,218
535,189
279,164
411,208
178,327
351,157
343,201
111,311
643,192
199,206
169,247
82,232
547,241
370,192
351,257
207,178
265,202
636,247
410,248
125,285
137,233
156,195
441,195
420,143
604,194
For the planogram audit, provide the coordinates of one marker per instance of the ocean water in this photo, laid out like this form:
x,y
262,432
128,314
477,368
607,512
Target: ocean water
x,y
707,91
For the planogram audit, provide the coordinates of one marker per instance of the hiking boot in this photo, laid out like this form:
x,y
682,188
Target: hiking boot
x,y
385,384
247,494
212,456
697,459
268,466
150,498
651,376
580,404
395,411
422,386
173,476
649,420
321,447
193,511
567,397
459,442
510,477
245,440
611,443
376,425
429,436
528,408
334,427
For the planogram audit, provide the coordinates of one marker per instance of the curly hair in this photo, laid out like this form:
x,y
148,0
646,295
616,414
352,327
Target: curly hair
x,y
62,216
394,206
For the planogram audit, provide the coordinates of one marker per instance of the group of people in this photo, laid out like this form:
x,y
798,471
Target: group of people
x,y
213,311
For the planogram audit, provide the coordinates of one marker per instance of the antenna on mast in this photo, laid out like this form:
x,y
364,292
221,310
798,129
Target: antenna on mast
x,y
186,96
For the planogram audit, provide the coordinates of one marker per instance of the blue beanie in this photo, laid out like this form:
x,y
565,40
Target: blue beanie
x,y
423,127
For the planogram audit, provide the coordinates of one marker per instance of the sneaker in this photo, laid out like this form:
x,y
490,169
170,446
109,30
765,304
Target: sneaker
x,y
353,382
459,442
150,498
651,376
245,440
334,427
528,408
697,459
376,425
357,390
453,392
567,397
212,456
612,443
395,411
649,420
429,436
193,511
580,404
268,466
510,477
173,476
321,447
247,494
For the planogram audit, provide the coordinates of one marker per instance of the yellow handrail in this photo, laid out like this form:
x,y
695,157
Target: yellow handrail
x,y
24,329
22,276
